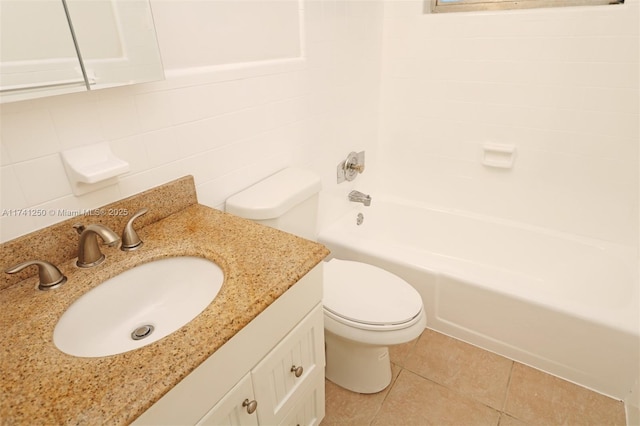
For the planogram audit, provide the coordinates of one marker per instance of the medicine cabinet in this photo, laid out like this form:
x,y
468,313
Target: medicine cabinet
x,y
51,47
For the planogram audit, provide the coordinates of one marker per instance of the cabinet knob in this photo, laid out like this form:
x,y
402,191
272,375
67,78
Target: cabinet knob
x,y
251,405
297,370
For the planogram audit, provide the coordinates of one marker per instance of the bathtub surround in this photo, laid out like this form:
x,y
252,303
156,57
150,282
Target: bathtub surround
x,y
538,80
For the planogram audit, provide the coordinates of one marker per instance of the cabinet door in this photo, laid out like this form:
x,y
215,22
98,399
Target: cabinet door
x,y
294,363
233,409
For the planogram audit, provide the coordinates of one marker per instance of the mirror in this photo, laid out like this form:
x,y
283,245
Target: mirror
x,y
50,47
37,52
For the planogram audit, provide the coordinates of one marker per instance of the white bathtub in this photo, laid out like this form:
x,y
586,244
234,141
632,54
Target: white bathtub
x,y
564,304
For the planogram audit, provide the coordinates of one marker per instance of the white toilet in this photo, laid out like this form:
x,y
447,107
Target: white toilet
x,y
366,308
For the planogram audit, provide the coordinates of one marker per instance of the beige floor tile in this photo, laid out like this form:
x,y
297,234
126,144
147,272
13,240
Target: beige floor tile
x,y
464,368
348,408
539,398
399,353
506,420
414,400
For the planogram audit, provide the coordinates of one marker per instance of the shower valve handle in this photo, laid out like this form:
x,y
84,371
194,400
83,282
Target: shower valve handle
x,y
349,168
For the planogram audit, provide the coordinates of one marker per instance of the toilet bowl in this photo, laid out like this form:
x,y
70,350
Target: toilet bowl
x,y
366,308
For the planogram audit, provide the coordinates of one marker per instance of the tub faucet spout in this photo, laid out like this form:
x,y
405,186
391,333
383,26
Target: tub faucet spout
x,y
359,197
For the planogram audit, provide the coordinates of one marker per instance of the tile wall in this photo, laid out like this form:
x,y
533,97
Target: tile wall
x,y
227,125
560,84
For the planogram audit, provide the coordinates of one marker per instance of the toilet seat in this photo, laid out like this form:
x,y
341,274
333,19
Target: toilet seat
x,y
373,327
345,283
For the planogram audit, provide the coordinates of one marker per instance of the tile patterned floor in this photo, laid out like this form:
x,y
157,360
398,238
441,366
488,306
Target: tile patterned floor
x,y
438,380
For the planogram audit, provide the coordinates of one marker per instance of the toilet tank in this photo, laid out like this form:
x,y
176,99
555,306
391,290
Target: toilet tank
x,y
287,200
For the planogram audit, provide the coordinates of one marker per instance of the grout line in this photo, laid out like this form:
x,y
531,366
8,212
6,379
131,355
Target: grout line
x,y
456,392
506,393
453,389
388,390
402,370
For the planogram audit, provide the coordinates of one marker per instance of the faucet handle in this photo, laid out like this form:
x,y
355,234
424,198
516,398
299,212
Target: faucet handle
x,y
349,168
130,238
50,276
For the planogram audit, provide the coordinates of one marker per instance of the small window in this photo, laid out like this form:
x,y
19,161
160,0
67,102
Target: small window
x,y
479,5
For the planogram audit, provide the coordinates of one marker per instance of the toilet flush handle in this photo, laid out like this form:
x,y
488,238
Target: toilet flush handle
x,y
297,371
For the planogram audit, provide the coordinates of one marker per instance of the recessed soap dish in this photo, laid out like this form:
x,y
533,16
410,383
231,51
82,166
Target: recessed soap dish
x,y
500,156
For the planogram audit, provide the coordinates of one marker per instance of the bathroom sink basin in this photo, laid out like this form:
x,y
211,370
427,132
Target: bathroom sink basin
x,y
138,307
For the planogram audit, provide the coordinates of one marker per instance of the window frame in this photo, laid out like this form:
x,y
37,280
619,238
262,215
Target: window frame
x,y
434,6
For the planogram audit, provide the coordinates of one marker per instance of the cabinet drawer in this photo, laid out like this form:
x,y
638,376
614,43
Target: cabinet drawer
x,y
309,408
296,360
229,410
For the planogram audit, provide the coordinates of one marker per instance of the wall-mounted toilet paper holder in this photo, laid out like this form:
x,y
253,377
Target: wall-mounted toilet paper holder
x,y
349,168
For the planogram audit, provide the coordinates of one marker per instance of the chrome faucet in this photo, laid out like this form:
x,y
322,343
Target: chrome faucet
x,y
359,197
89,253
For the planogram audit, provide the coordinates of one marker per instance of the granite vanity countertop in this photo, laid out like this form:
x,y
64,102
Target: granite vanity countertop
x,y
42,385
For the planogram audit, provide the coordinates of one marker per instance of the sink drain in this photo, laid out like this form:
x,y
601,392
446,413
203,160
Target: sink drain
x,y
142,332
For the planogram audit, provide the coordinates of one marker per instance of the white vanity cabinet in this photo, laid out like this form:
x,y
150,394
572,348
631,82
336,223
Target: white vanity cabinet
x,y
233,409
283,382
276,361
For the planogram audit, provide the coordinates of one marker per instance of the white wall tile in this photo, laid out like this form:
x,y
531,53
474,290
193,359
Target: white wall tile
x,y
154,110
171,171
42,179
12,194
100,197
118,114
5,159
226,127
14,226
133,184
560,84
199,102
58,210
77,120
132,150
223,32
265,89
28,134
213,193
162,146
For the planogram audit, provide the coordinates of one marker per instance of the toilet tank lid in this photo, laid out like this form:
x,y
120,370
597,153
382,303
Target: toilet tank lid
x,y
275,195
